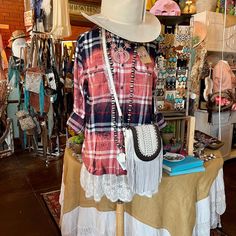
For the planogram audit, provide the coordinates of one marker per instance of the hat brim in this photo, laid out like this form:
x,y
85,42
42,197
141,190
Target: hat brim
x,y
17,37
199,32
146,32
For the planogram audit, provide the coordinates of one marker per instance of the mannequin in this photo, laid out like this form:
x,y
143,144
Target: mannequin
x,y
17,46
16,63
94,111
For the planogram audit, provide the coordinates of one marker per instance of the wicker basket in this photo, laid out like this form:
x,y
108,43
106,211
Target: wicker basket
x,y
206,5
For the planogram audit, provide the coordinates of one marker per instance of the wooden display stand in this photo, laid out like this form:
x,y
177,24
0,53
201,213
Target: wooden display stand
x,y
120,218
189,131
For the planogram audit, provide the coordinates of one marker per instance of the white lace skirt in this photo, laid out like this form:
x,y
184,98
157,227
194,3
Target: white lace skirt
x,y
113,187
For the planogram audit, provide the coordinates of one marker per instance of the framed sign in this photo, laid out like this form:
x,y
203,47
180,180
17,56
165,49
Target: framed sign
x,y
89,7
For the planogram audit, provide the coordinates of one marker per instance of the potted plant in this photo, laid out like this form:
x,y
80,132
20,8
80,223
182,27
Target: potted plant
x,y
168,132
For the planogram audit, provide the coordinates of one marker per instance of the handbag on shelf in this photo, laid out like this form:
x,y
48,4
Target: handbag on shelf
x,y
143,148
25,120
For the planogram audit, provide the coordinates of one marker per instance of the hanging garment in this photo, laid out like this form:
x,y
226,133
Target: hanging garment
x,y
224,74
101,173
61,25
47,15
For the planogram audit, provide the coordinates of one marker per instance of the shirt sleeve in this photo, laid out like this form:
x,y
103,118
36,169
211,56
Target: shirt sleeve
x,y
77,119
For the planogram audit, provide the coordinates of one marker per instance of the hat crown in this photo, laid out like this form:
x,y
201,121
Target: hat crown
x,y
124,11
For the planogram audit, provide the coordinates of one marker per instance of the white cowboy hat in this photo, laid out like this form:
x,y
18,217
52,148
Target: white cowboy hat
x,y
128,19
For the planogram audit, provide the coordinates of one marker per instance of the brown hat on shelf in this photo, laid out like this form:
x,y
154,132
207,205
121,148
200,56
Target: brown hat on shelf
x,y
17,34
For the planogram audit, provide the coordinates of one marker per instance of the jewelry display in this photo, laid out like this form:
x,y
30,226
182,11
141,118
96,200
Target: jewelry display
x,y
171,83
170,96
160,104
161,63
162,75
179,104
182,36
181,92
160,92
174,55
169,39
182,78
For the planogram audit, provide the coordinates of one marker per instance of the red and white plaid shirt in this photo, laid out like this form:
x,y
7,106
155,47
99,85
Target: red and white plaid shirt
x,y
92,100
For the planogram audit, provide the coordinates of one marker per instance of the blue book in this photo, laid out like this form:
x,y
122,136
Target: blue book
x,y
188,171
188,163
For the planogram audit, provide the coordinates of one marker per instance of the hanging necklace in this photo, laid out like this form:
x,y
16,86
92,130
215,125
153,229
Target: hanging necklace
x,y
131,94
119,53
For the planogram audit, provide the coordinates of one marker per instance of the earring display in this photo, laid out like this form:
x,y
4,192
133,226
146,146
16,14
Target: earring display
x,y
174,55
161,65
179,104
170,96
182,78
182,36
160,105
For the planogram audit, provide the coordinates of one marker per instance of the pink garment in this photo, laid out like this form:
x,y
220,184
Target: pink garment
x,y
228,77
166,8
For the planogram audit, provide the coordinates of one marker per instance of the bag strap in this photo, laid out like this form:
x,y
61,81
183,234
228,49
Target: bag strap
x,y
109,73
34,52
23,57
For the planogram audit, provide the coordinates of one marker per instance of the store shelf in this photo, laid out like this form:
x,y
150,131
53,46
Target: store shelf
x,y
174,20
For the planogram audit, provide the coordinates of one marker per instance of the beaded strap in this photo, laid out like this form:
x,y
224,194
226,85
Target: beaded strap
x,y
114,99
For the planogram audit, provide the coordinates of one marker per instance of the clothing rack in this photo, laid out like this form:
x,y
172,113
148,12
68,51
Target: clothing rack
x,y
41,34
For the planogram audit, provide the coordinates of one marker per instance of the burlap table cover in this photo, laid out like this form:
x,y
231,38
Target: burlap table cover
x,y
172,208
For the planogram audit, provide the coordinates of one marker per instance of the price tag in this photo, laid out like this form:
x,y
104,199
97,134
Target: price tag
x,y
121,158
144,56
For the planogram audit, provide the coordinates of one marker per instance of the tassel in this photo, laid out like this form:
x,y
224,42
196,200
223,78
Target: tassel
x,y
143,176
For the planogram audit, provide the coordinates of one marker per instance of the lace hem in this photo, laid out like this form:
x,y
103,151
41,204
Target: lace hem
x,y
219,205
113,187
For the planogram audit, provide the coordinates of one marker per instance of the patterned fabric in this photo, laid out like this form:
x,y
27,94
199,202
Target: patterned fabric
x,y
92,100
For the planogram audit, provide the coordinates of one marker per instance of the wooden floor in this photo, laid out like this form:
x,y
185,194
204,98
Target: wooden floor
x,y
23,177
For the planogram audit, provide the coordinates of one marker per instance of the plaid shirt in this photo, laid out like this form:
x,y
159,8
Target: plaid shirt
x,y
92,100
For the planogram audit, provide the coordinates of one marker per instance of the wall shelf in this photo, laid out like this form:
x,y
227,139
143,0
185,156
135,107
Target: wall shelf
x,y
175,20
